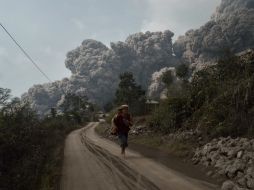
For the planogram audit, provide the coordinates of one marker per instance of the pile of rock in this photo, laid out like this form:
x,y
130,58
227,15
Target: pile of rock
x,y
138,130
232,158
192,135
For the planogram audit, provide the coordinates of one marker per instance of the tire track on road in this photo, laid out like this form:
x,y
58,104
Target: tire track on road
x,y
93,163
118,168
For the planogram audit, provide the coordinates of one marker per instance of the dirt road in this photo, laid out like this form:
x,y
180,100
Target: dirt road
x,y
94,163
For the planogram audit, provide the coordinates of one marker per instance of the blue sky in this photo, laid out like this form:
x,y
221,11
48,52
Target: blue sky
x,y
48,29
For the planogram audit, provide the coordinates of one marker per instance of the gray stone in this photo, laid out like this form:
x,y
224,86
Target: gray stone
x,y
229,158
232,153
240,154
232,143
250,183
247,157
251,162
237,165
214,156
240,174
220,163
250,171
242,182
221,171
229,185
209,173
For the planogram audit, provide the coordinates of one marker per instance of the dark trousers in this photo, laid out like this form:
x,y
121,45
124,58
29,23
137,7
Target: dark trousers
x,y
123,138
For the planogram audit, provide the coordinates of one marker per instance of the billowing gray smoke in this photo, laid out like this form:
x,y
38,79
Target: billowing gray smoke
x,y
96,68
230,28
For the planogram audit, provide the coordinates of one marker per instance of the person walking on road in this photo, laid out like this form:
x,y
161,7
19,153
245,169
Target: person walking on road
x,y
123,122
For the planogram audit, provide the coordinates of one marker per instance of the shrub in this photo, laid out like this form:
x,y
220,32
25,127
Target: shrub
x,y
28,145
219,100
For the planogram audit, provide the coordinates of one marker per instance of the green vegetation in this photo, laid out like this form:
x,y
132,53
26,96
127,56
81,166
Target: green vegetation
x,y
168,78
130,93
77,108
175,147
182,71
219,100
31,149
157,141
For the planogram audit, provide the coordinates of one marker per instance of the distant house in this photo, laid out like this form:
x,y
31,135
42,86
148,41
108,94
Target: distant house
x,y
151,105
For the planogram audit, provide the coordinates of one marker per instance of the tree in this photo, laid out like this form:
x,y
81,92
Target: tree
x,y
77,107
167,78
130,93
4,95
53,112
28,144
108,106
182,71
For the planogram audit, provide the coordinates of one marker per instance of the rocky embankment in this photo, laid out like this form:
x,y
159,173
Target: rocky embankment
x,y
231,158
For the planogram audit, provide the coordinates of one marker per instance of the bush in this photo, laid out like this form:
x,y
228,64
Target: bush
x,y
27,147
170,115
219,100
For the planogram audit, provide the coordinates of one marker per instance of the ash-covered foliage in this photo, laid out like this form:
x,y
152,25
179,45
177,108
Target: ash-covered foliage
x,y
30,148
218,100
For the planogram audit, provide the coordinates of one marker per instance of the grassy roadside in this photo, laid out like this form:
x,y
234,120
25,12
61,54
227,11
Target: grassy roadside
x,y
102,129
175,147
153,140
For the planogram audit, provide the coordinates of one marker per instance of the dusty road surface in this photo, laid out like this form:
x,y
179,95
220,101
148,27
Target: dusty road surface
x,y
94,163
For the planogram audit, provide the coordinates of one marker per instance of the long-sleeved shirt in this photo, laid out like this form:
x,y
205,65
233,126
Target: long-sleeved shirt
x,y
120,124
